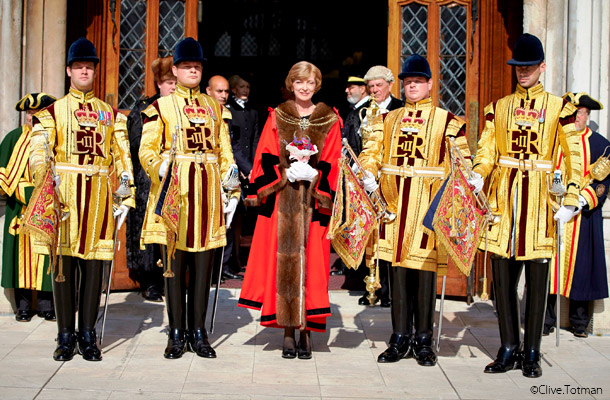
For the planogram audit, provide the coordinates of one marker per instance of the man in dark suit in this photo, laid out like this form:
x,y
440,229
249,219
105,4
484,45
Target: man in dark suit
x,y
358,98
244,118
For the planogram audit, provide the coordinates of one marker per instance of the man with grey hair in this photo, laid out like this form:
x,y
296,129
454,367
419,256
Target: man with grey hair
x,y
379,81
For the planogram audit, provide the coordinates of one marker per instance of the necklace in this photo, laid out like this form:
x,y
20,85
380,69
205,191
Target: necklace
x,y
304,123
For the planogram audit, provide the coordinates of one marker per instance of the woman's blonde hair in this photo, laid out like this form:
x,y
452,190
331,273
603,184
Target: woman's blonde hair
x,y
302,70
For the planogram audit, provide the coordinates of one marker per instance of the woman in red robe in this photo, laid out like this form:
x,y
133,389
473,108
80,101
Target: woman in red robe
x,y
293,181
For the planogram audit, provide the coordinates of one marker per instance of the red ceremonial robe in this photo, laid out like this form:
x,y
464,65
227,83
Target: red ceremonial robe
x,y
287,273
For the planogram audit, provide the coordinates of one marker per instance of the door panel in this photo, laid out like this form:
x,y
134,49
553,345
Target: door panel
x,y
136,32
442,32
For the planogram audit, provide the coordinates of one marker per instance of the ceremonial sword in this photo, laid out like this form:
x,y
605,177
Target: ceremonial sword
x,y
117,197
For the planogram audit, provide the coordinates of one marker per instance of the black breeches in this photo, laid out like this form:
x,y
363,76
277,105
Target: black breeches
x,y
413,300
199,267
506,273
89,292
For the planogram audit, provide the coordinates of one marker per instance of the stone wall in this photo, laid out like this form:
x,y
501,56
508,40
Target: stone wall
x,y
34,61
576,38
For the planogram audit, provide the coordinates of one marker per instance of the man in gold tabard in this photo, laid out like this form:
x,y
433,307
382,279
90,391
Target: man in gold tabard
x,y
407,149
85,138
202,158
523,134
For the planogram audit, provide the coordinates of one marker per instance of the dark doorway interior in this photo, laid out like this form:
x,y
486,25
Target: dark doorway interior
x,y
265,38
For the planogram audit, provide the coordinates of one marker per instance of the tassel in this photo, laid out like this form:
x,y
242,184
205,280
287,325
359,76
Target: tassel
x,y
60,275
484,295
171,251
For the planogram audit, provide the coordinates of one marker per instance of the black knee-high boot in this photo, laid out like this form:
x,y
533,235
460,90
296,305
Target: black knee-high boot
x,y
88,306
506,274
425,301
537,286
200,270
64,294
402,317
175,298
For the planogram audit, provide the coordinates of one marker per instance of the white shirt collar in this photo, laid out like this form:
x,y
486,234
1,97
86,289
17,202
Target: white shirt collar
x,y
361,102
384,104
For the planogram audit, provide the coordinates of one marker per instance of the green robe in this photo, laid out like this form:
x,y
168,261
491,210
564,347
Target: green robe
x,y
20,269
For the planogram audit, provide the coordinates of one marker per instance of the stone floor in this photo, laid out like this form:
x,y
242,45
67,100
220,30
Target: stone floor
x,y
249,365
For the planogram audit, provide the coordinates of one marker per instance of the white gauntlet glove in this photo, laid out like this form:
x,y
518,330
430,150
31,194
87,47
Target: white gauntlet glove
x,y
582,203
230,211
565,214
300,171
163,169
57,180
476,180
369,181
120,214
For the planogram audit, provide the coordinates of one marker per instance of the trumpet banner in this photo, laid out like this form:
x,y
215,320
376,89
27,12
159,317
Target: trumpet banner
x,y
353,218
168,208
42,215
456,220
168,200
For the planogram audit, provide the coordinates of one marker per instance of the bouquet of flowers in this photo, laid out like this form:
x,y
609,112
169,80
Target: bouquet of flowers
x,y
301,149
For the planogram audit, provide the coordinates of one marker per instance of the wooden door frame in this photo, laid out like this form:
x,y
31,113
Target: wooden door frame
x,y
111,65
456,282
472,42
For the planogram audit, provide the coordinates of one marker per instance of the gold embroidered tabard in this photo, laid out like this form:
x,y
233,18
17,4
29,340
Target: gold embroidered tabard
x,y
408,151
523,135
204,156
86,138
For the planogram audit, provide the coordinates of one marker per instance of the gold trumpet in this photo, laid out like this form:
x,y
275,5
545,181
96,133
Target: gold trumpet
x,y
370,113
380,207
379,203
479,197
482,201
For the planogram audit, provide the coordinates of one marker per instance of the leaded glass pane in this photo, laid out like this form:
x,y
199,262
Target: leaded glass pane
x,y
223,46
249,40
248,45
132,51
414,30
171,25
452,90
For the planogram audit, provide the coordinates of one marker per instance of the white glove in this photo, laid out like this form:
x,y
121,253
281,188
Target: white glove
x,y
230,210
300,171
476,180
163,169
291,174
582,203
565,214
369,181
355,168
121,213
57,180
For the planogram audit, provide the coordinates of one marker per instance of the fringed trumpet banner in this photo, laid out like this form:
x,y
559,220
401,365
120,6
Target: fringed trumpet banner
x,y
353,218
168,208
42,216
456,220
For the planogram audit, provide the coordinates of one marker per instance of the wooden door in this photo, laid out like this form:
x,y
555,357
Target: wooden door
x,y
446,33
467,43
135,33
